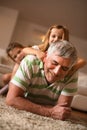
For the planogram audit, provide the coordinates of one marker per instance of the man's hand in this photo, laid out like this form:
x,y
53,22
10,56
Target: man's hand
x,y
60,112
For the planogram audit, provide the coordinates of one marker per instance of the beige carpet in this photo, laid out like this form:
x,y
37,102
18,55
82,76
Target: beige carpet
x,y
13,119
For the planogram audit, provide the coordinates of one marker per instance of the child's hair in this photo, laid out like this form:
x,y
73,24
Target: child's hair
x,y
44,46
11,46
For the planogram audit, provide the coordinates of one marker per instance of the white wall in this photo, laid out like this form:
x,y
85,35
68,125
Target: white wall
x,y
8,18
28,33
81,46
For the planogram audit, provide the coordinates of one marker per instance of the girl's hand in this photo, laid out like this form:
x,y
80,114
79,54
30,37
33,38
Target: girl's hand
x,y
40,54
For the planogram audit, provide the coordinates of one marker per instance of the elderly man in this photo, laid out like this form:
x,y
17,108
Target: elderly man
x,y
43,87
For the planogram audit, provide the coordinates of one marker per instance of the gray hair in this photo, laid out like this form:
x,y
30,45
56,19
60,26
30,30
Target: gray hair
x,y
65,49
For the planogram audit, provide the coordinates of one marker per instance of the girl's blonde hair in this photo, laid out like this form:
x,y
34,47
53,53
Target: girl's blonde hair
x,y
44,46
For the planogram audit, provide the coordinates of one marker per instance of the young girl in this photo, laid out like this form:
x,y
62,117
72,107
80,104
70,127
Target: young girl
x,y
54,33
13,50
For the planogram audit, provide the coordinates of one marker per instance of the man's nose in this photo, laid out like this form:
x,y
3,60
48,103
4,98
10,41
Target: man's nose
x,y
57,69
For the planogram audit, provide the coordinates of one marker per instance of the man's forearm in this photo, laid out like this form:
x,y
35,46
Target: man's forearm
x,y
56,112
24,104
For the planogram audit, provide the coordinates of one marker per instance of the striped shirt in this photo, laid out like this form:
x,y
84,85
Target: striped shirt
x,y
31,78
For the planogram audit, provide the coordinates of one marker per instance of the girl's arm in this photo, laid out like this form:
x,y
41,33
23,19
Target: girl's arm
x,y
30,50
80,63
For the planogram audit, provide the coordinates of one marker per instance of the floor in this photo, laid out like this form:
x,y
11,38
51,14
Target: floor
x,y
79,115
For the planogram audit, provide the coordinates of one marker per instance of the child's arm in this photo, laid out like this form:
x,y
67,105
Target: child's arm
x,y
30,50
6,78
80,63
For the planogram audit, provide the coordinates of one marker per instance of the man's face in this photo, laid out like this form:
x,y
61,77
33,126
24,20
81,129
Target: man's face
x,y
56,67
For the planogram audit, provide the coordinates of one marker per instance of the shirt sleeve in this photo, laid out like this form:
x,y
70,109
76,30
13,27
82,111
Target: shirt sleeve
x,y
70,87
35,47
22,78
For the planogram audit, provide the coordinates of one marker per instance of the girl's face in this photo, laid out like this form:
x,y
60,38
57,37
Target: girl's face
x,y
14,53
55,35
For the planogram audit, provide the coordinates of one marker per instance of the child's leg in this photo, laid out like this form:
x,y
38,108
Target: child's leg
x,y
4,90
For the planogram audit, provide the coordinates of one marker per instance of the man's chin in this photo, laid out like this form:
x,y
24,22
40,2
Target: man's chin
x,y
52,81
57,79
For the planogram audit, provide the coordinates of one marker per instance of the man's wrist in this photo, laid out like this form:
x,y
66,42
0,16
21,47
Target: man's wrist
x,y
45,111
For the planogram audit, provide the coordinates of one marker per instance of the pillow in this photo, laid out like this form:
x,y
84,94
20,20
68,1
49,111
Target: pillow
x,y
79,102
82,84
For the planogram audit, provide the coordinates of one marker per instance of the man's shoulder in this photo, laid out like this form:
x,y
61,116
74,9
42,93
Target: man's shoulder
x,y
30,57
73,78
33,60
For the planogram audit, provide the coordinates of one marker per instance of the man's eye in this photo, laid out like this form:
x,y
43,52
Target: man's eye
x,y
55,63
65,68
